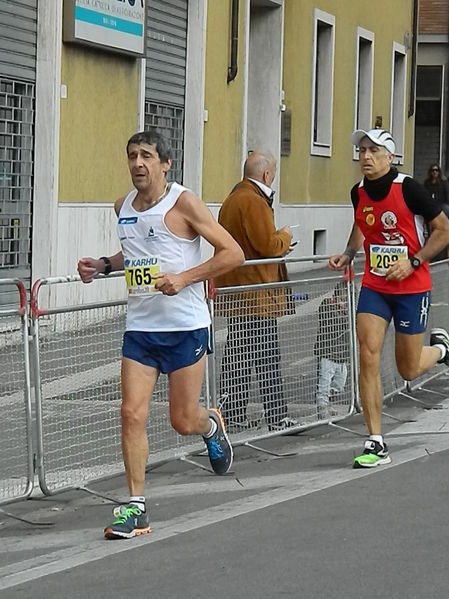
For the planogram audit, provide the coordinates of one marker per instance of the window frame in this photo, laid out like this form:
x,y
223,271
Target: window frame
x,y
368,36
322,148
398,135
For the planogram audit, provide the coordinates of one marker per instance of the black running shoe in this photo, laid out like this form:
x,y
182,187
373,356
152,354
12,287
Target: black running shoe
x,y
441,337
218,446
283,424
129,522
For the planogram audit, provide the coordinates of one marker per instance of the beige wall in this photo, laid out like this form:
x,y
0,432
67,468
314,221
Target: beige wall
x,y
97,118
223,101
307,179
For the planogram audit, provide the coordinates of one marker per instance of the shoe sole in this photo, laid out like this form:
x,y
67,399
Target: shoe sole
x,y
137,532
380,462
217,415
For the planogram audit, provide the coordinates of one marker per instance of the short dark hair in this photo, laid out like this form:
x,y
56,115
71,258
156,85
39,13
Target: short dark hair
x,y
152,137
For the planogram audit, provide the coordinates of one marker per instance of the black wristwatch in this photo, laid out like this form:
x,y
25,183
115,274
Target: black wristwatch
x,y
107,265
415,262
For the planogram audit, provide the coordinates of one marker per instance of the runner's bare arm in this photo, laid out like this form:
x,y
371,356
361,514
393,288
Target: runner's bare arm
x,y
88,268
198,220
438,239
340,261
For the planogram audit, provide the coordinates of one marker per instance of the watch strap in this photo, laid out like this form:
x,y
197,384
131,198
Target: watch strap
x,y
415,262
107,265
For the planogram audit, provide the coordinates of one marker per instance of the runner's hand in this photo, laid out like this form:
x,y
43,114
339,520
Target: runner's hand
x,y
399,271
168,283
88,268
338,262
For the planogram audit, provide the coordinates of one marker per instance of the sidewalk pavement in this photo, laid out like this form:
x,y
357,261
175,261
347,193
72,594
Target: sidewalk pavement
x,y
296,522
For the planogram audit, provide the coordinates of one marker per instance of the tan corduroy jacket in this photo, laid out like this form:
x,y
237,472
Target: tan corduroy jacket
x,y
247,215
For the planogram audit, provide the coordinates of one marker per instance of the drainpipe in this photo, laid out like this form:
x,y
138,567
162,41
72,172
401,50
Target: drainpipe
x,y
232,69
411,106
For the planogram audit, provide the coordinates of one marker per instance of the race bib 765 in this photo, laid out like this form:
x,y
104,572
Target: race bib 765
x,y
139,274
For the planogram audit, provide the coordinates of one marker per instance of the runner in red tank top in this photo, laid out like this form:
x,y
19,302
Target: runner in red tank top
x,y
390,211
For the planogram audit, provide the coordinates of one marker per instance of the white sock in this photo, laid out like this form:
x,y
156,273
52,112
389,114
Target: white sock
x,y
138,501
442,348
212,430
377,438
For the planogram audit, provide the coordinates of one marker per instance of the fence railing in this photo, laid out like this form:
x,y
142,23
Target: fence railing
x,y
16,444
62,358
267,355
77,357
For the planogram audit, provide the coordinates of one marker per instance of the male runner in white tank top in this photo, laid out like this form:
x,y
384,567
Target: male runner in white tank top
x,y
160,226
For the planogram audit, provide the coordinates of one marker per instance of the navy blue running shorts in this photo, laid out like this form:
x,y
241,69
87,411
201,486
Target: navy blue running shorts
x,y
409,311
167,351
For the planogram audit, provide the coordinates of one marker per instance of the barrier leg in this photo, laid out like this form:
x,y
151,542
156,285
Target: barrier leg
x,y
398,419
273,453
348,430
197,464
20,519
97,494
427,406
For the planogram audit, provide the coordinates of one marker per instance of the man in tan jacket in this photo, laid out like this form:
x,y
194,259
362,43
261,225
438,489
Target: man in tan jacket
x,y
252,339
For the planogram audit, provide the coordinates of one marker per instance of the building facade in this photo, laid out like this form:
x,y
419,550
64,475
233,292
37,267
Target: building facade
x,y
219,79
432,88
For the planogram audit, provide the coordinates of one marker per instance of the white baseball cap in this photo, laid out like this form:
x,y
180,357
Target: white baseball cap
x,y
380,137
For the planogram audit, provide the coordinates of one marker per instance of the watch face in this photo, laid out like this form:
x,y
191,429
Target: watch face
x,y
415,262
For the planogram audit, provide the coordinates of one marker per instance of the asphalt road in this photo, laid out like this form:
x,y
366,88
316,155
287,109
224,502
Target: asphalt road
x,y
296,522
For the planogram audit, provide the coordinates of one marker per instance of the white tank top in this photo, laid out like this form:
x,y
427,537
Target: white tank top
x,y
148,246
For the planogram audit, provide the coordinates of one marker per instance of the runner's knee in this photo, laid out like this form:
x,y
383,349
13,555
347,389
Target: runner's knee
x,y
184,423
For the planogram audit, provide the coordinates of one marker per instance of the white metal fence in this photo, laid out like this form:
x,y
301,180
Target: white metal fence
x,y
16,454
267,355
264,368
77,352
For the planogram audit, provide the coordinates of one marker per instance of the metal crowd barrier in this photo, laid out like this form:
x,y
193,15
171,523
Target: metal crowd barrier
x,y
16,447
264,355
264,359
77,357
297,331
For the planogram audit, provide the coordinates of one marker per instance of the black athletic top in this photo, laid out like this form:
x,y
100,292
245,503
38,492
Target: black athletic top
x,y
416,196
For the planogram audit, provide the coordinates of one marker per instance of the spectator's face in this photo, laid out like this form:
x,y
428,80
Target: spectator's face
x,y
374,160
269,175
434,172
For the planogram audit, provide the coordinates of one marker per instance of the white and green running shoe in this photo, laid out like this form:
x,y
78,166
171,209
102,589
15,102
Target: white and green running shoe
x,y
441,337
129,522
374,454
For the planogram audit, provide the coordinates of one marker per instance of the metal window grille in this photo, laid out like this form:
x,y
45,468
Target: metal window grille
x,y
16,175
169,120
